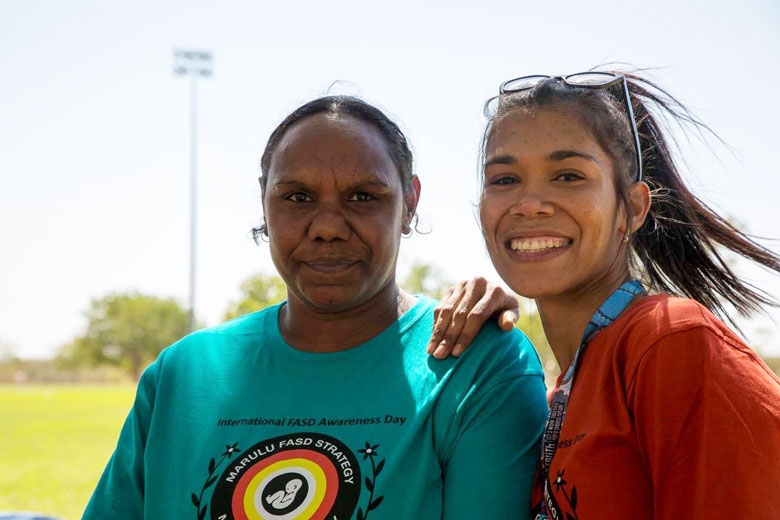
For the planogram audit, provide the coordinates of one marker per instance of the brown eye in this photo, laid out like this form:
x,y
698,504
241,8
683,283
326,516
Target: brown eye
x,y
298,196
362,196
503,180
569,176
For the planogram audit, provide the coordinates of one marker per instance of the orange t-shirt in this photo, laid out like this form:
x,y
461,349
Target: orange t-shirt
x,y
671,415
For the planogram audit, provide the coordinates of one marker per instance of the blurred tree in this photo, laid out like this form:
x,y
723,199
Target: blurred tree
x,y
127,330
425,279
258,292
773,363
8,352
531,324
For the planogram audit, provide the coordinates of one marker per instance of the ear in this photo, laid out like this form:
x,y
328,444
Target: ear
x,y
264,227
639,202
410,204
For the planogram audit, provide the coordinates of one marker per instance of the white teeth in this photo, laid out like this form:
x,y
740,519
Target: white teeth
x,y
534,245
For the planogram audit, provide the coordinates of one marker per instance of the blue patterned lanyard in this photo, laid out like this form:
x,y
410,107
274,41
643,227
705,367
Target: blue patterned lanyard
x,y
606,314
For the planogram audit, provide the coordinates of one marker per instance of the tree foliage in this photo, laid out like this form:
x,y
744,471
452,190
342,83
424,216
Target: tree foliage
x,y
8,352
531,324
127,330
425,279
258,292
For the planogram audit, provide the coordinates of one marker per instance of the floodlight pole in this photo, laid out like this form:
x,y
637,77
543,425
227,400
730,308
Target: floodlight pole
x,y
194,64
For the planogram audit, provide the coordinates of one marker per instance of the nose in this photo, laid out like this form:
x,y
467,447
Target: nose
x,y
532,203
329,224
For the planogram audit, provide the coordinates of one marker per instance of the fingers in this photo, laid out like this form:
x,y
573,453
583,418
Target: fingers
x,y
492,302
472,313
442,320
507,318
462,312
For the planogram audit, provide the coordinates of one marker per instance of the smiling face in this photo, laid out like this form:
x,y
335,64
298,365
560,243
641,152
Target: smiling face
x,y
549,209
335,211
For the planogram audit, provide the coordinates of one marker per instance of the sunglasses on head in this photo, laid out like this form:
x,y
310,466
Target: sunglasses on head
x,y
582,80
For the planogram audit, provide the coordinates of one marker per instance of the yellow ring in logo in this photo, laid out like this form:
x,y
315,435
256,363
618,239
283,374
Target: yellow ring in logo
x,y
320,486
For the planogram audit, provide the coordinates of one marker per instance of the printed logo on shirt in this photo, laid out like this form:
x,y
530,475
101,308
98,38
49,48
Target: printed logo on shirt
x,y
306,476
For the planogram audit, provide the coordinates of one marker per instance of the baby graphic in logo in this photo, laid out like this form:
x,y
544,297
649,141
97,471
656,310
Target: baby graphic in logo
x,y
282,500
306,476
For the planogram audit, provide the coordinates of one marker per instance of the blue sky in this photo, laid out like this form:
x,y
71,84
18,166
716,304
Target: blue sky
x,y
94,128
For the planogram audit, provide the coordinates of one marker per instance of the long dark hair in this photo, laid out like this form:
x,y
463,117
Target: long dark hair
x,y
676,250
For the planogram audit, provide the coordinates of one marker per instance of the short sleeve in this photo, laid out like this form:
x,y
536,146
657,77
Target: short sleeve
x,y
120,491
707,416
490,470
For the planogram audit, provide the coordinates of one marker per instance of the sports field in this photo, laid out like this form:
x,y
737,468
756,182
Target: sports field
x,y
54,442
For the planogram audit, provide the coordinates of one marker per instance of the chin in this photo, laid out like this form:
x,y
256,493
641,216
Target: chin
x,y
539,288
326,305
531,294
328,302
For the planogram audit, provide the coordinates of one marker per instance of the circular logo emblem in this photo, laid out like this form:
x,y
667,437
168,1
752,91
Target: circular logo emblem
x,y
306,476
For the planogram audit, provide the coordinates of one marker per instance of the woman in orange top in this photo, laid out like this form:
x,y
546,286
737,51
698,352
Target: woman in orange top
x,y
661,411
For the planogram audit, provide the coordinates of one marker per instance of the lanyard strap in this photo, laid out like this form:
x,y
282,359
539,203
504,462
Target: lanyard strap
x,y
606,314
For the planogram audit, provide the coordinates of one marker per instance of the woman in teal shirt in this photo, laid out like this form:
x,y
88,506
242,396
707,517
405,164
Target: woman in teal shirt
x,y
327,405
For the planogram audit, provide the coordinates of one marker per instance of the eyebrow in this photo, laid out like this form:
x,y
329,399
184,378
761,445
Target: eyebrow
x,y
501,159
360,184
286,184
558,155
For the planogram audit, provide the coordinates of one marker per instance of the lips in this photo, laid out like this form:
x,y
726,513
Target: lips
x,y
539,244
330,264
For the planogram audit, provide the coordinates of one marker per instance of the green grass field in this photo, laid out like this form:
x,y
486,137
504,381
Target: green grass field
x,y
54,442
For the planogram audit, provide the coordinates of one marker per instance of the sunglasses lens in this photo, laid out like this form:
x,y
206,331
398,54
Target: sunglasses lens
x,y
524,83
592,79
490,108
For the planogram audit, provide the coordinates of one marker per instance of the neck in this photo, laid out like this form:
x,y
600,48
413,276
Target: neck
x,y
315,330
565,318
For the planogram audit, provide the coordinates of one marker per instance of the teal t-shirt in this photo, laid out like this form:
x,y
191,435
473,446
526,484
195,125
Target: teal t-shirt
x,y
233,423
